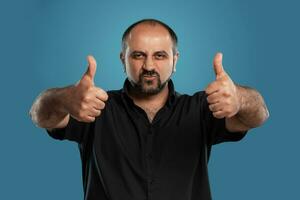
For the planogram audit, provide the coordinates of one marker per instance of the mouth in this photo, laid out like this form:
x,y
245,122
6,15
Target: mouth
x,y
149,77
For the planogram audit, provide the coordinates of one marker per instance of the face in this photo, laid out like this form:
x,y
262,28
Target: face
x,y
149,60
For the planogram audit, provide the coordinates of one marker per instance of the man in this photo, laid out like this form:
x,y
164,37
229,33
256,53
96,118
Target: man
x,y
146,141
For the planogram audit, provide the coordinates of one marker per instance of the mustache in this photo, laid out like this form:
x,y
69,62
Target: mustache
x,y
149,73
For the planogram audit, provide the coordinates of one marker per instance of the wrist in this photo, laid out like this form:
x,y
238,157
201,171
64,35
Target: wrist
x,y
240,98
64,98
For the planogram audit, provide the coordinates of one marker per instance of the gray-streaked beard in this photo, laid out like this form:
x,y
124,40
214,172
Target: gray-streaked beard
x,y
141,89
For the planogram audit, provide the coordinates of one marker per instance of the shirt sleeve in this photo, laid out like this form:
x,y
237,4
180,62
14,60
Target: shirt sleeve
x,y
74,131
215,129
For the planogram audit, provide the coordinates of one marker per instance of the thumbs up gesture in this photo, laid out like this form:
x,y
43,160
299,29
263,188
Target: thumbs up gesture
x,y
222,94
86,100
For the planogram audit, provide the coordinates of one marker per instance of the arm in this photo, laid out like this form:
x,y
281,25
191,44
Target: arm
x,y
48,110
242,107
253,111
83,101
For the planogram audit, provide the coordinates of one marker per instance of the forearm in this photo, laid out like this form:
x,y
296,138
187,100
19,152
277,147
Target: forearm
x,y
253,110
48,110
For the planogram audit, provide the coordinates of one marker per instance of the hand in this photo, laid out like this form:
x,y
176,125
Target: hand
x,y
86,100
223,97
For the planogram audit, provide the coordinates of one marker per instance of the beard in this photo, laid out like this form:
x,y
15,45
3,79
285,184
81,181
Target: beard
x,y
149,83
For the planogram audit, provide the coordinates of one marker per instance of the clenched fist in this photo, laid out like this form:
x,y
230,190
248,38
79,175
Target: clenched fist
x,y
223,97
86,100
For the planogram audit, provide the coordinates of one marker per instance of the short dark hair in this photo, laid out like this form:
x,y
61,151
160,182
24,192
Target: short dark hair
x,y
150,22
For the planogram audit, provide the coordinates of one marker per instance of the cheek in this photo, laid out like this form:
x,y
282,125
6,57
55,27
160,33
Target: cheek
x,y
133,67
166,69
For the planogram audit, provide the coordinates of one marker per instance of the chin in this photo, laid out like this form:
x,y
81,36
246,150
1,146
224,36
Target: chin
x,y
151,89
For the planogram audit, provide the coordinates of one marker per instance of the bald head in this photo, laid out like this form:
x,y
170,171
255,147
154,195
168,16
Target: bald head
x,y
150,23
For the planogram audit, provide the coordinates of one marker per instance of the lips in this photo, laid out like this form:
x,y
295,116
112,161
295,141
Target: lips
x,y
147,77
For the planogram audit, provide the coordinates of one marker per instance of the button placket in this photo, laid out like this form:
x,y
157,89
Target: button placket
x,y
149,156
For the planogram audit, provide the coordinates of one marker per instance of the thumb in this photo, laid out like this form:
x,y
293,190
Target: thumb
x,y
218,67
91,70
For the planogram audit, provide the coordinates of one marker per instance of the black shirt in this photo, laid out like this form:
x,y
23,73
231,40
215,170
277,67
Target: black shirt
x,y
125,157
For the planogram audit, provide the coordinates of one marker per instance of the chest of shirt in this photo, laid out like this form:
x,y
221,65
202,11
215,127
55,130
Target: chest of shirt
x,y
174,136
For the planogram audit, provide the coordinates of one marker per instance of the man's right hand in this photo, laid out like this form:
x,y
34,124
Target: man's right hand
x,y
86,100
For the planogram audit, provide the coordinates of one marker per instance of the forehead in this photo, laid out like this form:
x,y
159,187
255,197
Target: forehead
x,y
148,36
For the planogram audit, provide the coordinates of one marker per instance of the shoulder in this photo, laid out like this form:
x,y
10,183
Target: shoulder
x,y
197,97
115,93
195,103
115,98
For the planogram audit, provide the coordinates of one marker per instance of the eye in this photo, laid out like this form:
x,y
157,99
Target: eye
x,y
137,55
160,56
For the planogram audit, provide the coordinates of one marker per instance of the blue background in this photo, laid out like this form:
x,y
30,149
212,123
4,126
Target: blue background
x,y
44,44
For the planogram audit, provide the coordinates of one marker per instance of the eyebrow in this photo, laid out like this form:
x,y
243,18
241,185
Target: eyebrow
x,y
162,52
135,52
142,52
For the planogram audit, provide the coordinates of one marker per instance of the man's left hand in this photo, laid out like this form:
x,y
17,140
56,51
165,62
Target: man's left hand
x,y
222,94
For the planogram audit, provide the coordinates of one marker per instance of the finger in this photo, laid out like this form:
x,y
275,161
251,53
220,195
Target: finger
x,y
101,94
215,107
92,66
86,118
219,114
89,119
98,104
212,87
92,112
214,97
218,67
95,113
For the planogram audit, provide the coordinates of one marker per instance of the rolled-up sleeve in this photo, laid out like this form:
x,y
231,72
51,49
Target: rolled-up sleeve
x,y
74,131
216,128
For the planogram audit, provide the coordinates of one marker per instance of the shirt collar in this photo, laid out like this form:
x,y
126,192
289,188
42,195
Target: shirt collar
x,y
171,96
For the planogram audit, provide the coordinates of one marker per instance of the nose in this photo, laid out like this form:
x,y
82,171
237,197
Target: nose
x,y
149,64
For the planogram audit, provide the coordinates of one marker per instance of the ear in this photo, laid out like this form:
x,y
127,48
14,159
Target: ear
x,y
175,59
122,58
